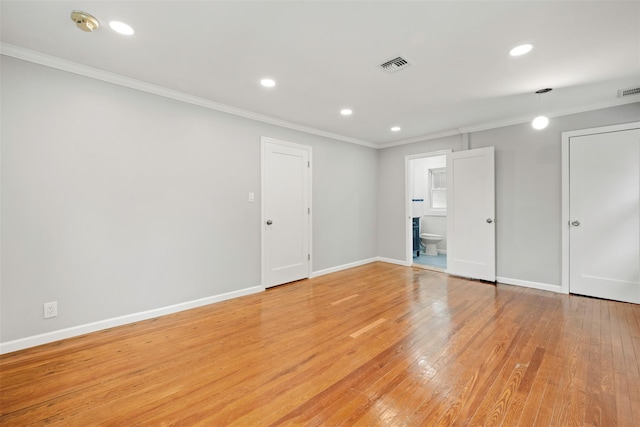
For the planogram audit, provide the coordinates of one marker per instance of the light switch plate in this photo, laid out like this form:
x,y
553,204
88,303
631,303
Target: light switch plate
x,y
252,197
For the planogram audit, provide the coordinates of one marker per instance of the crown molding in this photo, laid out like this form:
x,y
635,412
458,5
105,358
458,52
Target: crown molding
x,y
109,77
510,122
559,113
422,138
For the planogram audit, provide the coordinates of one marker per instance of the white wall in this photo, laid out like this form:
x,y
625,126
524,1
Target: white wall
x,y
116,201
528,192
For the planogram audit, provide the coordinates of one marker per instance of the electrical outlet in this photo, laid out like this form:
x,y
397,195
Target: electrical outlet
x,y
50,309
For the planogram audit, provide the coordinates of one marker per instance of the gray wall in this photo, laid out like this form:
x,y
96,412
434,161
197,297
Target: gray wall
x,y
528,191
116,201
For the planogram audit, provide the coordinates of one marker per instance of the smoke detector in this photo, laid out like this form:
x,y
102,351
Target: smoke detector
x,y
84,21
396,64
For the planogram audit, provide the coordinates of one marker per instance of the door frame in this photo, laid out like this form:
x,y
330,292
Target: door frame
x,y
263,252
566,137
408,189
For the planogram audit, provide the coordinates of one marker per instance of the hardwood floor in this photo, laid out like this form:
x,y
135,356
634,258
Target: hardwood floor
x,y
377,345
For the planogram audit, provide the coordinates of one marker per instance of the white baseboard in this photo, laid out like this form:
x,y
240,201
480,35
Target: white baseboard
x,y
357,264
394,261
527,284
342,267
22,343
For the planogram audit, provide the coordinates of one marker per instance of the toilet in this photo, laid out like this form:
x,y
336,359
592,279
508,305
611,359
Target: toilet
x,y
429,241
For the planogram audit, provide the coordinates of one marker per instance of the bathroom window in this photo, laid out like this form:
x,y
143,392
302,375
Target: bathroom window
x,y
438,189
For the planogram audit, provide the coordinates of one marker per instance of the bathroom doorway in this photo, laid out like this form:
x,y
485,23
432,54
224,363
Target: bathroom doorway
x,y
426,196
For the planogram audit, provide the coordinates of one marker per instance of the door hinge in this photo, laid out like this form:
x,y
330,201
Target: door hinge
x,y
308,164
309,257
308,211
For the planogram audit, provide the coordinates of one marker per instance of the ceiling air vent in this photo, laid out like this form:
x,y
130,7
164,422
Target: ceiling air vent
x,y
395,64
629,91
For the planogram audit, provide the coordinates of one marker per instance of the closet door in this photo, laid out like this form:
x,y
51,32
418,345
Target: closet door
x,y
604,218
286,210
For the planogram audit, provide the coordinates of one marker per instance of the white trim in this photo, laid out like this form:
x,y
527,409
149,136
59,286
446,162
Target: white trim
x,y
566,137
528,284
35,340
564,215
508,122
342,267
263,250
408,187
565,112
465,141
422,138
394,261
442,251
106,76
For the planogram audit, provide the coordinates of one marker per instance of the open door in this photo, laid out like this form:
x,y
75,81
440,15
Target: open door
x,y
471,244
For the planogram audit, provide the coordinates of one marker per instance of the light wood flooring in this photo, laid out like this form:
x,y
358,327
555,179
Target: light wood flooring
x,y
377,345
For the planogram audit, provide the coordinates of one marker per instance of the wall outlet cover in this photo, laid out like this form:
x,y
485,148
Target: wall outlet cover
x,y
50,309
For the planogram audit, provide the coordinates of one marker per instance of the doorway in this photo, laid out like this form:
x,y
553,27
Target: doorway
x,y
601,212
427,210
470,212
286,212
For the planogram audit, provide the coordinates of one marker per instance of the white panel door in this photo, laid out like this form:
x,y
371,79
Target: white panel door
x,y
604,206
471,242
286,212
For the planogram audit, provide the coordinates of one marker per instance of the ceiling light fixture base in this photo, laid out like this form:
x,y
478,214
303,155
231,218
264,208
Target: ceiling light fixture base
x,y
85,21
542,121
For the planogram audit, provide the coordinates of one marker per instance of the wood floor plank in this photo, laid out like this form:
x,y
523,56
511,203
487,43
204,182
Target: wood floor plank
x,y
480,377
496,403
572,410
629,330
490,340
425,361
340,301
634,398
449,352
549,343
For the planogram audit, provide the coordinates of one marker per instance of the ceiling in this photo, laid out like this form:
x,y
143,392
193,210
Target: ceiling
x,y
325,56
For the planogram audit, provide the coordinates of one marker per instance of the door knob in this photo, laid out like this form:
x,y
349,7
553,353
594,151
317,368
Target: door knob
x,y
269,222
489,220
575,223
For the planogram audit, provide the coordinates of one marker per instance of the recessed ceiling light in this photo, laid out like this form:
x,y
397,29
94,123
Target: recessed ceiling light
x,y
521,50
121,28
540,122
395,129
346,112
268,82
